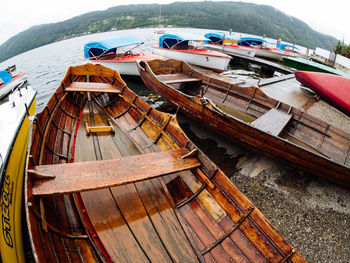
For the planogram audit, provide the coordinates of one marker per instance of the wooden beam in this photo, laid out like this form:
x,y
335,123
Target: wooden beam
x,y
85,176
92,87
175,78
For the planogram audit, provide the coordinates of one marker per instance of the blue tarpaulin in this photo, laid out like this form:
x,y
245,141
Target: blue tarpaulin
x,y
283,46
98,48
252,41
5,76
217,37
180,39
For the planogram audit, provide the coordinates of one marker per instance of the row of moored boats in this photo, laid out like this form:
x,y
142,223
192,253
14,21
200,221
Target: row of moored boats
x,y
108,178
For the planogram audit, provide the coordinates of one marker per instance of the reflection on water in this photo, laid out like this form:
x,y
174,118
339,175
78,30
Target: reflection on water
x,y
136,85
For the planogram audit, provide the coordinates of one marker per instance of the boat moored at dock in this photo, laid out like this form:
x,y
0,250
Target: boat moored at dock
x,y
107,52
185,47
227,44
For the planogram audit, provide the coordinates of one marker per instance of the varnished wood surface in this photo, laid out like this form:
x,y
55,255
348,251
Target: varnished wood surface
x,y
91,87
272,122
84,176
176,78
178,217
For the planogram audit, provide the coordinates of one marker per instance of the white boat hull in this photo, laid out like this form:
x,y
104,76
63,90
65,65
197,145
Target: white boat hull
x,y
11,85
232,50
218,64
124,67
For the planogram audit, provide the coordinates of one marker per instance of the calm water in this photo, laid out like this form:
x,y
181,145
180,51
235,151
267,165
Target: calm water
x,y
47,65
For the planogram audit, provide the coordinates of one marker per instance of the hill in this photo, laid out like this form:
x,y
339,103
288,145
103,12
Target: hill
x,y
238,16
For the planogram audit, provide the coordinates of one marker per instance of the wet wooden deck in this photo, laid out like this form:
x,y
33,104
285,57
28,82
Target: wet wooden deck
x,y
148,224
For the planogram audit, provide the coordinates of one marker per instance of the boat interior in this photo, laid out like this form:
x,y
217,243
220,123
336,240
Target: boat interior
x,y
171,204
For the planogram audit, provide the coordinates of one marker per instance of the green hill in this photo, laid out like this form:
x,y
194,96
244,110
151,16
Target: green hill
x,y
238,16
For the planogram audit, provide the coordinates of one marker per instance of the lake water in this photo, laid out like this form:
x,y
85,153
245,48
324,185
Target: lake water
x,y
47,65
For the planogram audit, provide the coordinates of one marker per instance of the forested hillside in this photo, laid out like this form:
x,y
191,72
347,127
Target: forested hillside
x,y
238,16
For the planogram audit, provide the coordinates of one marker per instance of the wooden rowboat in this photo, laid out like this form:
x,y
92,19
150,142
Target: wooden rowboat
x,y
249,117
112,179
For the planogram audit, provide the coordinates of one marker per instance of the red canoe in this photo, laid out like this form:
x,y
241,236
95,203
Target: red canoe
x,y
335,89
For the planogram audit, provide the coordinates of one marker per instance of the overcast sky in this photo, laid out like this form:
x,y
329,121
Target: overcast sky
x,y
328,17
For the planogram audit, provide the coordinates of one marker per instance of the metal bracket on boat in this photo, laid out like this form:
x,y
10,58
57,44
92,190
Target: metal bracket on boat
x,y
291,252
203,100
190,154
39,176
227,234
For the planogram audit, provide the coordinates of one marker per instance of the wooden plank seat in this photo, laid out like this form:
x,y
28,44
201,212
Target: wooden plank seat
x,y
91,175
272,122
91,87
176,78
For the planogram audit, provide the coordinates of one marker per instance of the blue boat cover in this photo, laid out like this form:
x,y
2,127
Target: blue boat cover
x,y
217,37
5,76
97,48
180,39
283,46
252,41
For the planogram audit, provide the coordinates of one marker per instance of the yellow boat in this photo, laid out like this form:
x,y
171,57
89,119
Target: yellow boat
x,y
14,135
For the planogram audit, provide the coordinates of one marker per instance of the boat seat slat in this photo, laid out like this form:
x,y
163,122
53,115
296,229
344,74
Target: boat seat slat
x,y
92,87
176,78
84,176
272,122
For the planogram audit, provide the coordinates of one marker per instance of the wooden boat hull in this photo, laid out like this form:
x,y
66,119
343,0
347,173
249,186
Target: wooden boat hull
x,y
204,58
14,134
334,89
307,156
142,210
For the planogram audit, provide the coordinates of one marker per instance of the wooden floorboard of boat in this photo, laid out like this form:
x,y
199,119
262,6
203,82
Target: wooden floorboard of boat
x,y
272,122
156,203
113,216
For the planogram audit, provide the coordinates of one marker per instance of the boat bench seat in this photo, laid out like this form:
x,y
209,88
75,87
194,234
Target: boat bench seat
x,y
92,87
176,78
91,175
272,122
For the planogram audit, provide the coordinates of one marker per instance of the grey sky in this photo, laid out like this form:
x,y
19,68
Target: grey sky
x,y
328,17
